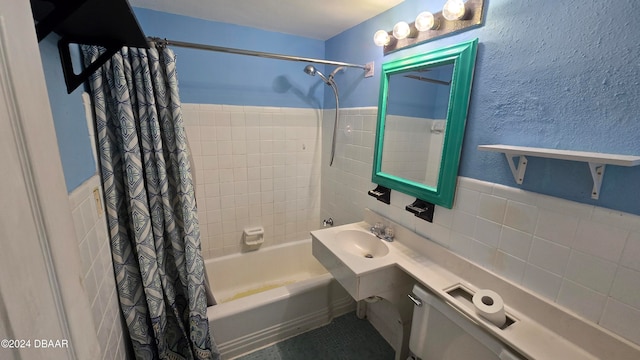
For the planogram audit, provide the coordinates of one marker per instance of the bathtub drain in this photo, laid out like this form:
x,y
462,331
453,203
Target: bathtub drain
x,y
368,256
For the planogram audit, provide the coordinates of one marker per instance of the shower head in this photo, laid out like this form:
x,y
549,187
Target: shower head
x,y
334,72
311,70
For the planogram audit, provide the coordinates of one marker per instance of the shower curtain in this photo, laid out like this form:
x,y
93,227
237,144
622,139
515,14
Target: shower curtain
x,y
150,204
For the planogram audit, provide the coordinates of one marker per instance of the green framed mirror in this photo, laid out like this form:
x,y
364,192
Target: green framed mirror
x,y
422,112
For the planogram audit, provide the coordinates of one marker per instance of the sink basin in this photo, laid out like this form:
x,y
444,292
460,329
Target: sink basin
x,y
361,262
360,243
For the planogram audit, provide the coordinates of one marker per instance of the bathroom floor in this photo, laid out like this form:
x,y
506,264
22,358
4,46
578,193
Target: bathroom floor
x,y
346,338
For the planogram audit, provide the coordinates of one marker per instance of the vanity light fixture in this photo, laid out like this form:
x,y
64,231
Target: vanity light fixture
x,y
381,38
453,10
456,16
401,30
425,21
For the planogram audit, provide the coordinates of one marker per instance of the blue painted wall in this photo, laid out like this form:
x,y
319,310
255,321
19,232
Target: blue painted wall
x,y
68,117
219,78
548,74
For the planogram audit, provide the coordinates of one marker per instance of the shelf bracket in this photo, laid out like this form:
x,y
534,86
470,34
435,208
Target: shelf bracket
x,y
110,24
73,80
596,161
597,173
518,172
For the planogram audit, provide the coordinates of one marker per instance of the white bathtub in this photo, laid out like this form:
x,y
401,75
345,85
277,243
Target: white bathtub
x,y
269,295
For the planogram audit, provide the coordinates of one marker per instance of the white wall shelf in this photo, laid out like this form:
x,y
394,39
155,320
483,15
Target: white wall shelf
x,y
596,161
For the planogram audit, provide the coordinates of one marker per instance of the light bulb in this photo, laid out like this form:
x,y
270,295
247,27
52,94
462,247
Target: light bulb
x,y
381,38
453,10
425,21
401,30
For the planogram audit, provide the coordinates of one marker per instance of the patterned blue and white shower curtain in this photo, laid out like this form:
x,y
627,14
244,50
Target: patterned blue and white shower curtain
x,y
150,204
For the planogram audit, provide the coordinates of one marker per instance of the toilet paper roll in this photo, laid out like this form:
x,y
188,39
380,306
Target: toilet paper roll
x,y
490,306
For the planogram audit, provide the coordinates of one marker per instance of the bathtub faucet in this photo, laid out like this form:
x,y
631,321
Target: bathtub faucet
x,y
327,222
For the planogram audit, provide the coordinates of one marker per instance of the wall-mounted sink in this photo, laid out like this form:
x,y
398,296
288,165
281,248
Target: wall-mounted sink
x,y
361,243
361,262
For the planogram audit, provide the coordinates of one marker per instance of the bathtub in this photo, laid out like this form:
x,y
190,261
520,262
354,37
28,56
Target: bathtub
x,y
269,295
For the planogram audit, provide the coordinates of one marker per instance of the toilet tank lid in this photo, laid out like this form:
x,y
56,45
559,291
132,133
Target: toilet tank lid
x,y
496,346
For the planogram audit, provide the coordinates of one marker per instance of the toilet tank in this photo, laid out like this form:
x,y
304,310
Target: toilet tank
x,y
439,332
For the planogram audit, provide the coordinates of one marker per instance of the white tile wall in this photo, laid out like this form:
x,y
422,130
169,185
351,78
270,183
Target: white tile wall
x,y
549,255
582,257
567,252
345,184
254,166
99,282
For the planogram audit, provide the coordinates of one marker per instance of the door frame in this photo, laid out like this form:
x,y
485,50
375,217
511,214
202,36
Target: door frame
x,y
51,243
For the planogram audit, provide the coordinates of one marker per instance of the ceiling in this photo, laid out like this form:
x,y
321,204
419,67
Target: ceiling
x,y
316,19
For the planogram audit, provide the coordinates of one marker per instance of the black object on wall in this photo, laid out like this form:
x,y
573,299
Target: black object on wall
x,y
422,209
381,193
110,24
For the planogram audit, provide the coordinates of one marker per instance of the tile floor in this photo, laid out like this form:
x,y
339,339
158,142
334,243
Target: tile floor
x,y
345,338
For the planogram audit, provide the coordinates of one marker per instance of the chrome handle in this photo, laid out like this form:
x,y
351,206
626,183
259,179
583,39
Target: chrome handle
x,y
417,301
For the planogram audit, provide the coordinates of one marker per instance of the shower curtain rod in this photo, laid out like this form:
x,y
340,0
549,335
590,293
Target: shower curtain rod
x,y
162,41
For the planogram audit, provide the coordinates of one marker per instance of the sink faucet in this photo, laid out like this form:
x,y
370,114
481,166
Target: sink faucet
x,y
389,234
377,229
385,233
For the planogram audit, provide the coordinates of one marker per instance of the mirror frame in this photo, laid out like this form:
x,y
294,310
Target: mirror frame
x,y
463,57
